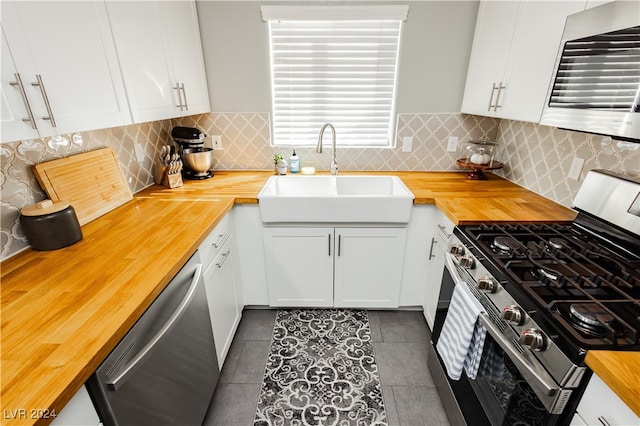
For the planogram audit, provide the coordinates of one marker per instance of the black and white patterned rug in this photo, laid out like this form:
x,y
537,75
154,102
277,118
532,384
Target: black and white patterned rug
x,y
321,371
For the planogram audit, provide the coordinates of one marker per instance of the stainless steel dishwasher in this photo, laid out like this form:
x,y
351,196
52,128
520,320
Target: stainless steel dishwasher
x,y
164,371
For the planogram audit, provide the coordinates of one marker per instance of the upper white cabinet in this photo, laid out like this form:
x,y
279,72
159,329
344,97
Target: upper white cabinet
x,y
514,50
65,60
158,44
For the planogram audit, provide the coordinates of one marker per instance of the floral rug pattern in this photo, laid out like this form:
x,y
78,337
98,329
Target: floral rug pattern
x,y
321,371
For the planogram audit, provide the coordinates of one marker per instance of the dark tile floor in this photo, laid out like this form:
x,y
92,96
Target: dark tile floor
x,y
400,341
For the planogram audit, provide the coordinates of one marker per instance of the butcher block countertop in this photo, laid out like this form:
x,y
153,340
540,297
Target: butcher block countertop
x,y
619,370
63,311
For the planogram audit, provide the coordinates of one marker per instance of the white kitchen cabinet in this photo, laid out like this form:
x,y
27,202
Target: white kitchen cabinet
x,y
601,406
439,235
416,268
251,256
514,50
223,289
68,52
327,267
368,267
15,105
299,264
79,411
160,52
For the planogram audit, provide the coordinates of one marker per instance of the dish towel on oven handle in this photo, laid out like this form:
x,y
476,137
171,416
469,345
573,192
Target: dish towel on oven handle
x,y
462,337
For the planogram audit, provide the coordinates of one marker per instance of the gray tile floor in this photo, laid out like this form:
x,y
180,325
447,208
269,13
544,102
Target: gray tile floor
x,y
400,341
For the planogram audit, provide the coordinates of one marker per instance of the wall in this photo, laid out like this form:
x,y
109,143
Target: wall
x,y
434,54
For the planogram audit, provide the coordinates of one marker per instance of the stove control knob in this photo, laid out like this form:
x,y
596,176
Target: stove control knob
x,y
513,314
487,284
467,262
456,249
534,339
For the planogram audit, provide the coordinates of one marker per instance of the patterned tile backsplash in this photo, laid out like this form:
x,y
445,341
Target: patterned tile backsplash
x,y
20,188
536,157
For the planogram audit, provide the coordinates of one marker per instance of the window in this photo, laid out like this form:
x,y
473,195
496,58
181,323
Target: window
x,y
334,64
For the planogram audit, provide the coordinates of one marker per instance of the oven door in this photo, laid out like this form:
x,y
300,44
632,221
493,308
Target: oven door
x,y
510,387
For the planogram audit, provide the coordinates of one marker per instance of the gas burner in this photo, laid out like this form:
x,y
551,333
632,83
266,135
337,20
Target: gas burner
x,y
505,245
591,318
558,244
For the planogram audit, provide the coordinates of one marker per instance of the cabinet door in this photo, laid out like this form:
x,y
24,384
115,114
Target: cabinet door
x,y
69,45
495,27
536,43
440,232
601,405
139,30
185,52
299,265
368,267
220,286
78,411
14,106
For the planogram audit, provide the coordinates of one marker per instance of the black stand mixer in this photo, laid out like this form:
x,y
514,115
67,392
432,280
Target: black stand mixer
x,y
196,158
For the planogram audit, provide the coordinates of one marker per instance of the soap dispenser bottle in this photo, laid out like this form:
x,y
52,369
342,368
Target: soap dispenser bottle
x,y
294,163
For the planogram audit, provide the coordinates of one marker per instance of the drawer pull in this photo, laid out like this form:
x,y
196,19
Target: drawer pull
x,y
603,421
433,241
221,239
444,230
225,256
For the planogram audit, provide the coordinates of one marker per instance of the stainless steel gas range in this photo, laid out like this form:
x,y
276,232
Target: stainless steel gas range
x,y
550,293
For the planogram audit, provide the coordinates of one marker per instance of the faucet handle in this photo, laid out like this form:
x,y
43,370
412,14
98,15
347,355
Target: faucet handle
x,y
334,168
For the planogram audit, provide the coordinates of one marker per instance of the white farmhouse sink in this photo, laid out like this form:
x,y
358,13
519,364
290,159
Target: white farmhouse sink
x,y
335,199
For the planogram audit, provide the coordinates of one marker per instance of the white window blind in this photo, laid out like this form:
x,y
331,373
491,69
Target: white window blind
x,y
335,70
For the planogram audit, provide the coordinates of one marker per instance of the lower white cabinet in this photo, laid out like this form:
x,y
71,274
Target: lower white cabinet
x,y
439,235
224,293
79,411
601,406
334,267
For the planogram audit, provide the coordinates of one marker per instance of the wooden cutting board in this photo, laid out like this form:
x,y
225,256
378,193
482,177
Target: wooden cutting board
x,y
92,182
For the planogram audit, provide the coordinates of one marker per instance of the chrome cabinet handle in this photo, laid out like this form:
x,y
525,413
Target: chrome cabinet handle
x,y
184,97
433,241
329,237
225,256
221,240
23,94
177,89
500,88
603,421
493,90
159,336
339,243
444,230
39,83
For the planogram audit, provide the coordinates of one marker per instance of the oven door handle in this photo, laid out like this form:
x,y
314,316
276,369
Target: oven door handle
x,y
540,381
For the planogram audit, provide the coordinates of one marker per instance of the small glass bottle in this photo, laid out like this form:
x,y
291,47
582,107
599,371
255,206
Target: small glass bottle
x,y
294,163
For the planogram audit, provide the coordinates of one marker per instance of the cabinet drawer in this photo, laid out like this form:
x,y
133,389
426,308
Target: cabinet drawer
x,y
214,242
600,405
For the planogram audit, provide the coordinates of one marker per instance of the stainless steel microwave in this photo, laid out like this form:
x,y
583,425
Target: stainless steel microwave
x,y
595,86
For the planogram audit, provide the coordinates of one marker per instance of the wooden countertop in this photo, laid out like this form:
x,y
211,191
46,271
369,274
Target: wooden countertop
x,y
619,370
63,311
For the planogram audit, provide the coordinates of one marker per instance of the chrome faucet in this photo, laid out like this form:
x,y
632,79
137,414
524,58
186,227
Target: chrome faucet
x,y
334,164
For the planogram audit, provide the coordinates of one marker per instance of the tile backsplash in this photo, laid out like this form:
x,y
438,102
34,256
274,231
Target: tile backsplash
x,y
536,157
20,188
246,142
539,158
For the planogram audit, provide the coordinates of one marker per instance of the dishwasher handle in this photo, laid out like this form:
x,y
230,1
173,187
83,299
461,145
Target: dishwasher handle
x,y
116,383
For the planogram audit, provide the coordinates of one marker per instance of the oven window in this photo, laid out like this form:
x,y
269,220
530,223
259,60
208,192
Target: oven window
x,y
506,397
